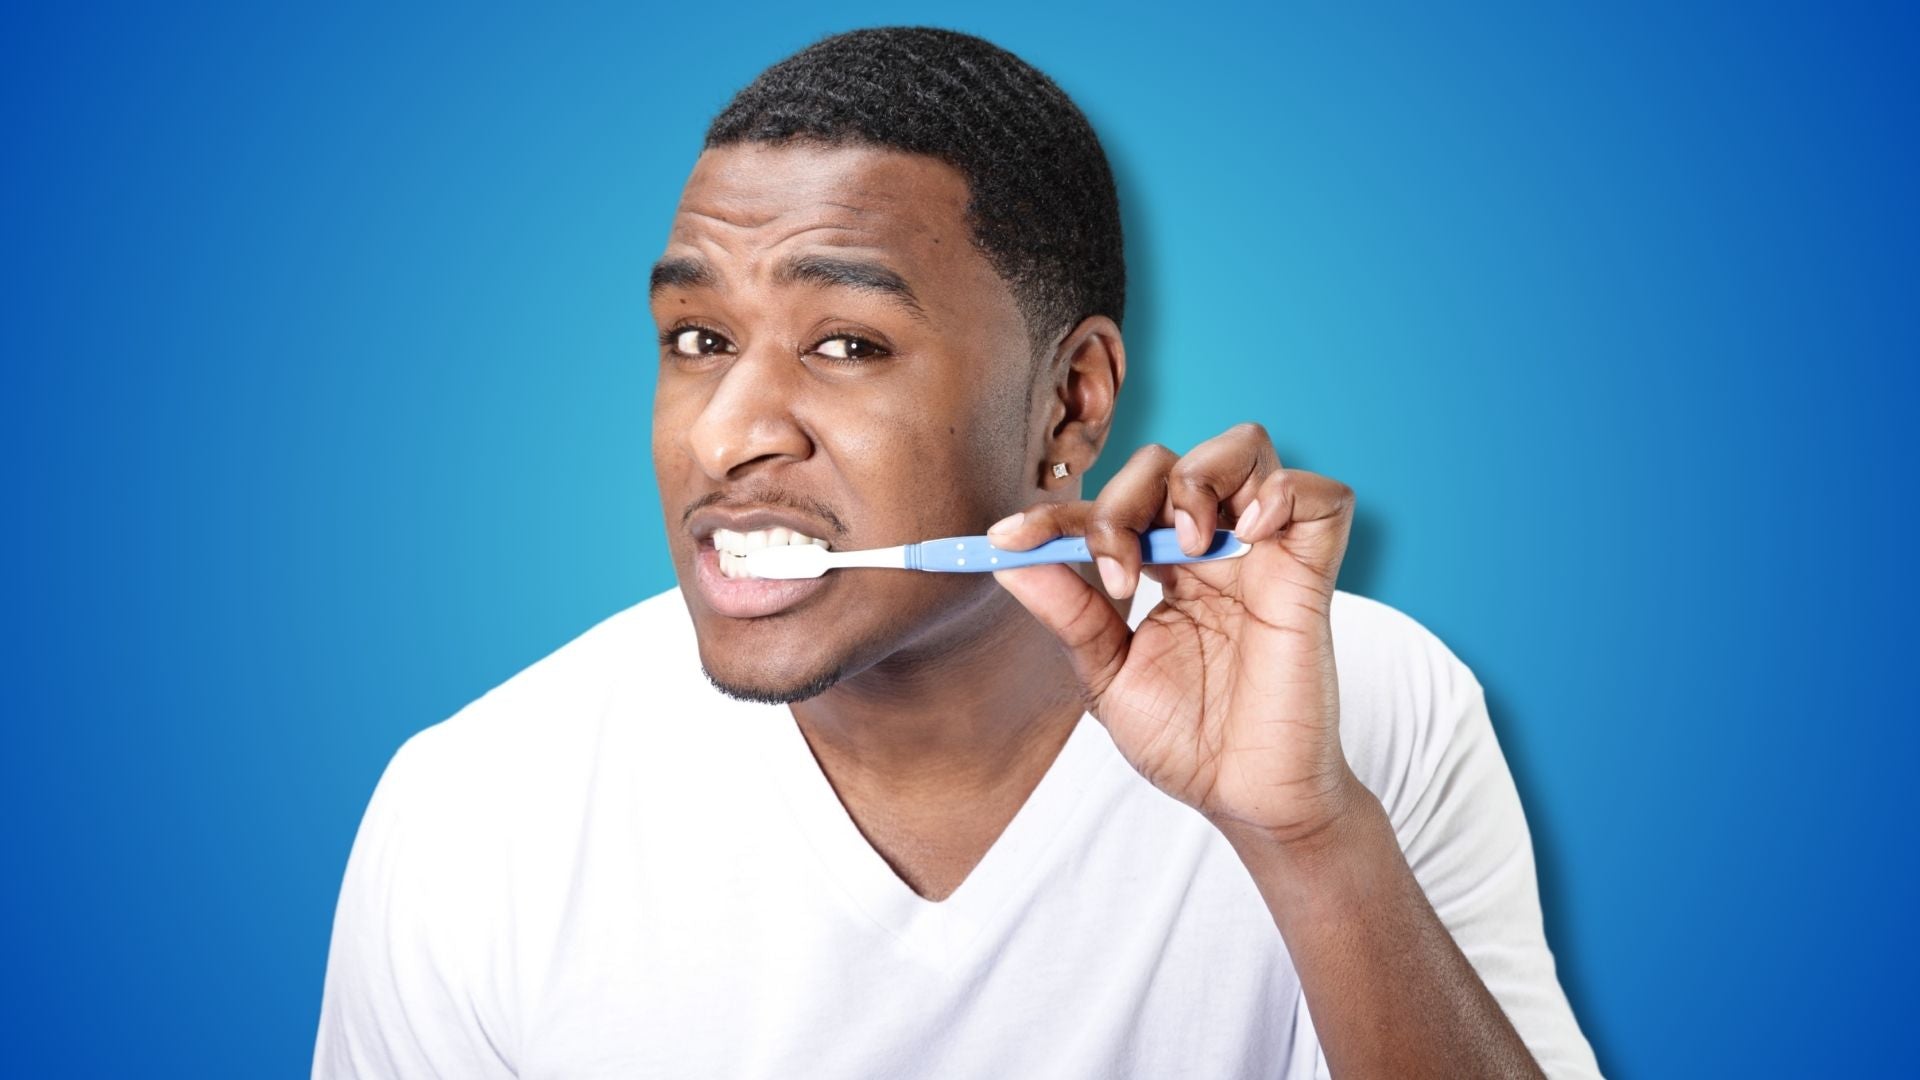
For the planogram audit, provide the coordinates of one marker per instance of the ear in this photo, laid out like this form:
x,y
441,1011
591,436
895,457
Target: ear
x,y
1085,373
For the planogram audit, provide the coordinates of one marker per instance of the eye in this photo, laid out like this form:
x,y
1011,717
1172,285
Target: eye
x,y
694,341
848,347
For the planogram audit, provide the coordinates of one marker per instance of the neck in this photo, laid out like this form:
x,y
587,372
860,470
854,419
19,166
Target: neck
x,y
969,711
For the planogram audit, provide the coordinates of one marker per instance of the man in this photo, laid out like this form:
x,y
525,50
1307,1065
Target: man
x,y
896,824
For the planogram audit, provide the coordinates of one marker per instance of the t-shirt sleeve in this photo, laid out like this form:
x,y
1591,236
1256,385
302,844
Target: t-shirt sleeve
x,y
1466,838
1416,729
398,999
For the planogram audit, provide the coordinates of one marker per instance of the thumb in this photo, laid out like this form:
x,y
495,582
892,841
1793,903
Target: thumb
x,y
1095,635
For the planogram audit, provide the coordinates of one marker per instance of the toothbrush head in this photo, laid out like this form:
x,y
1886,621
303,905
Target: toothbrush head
x,y
788,562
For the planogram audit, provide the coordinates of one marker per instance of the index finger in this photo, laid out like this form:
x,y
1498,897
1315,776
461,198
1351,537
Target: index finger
x,y
1226,470
1112,523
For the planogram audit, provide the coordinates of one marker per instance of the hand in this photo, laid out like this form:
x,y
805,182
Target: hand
x,y
1226,697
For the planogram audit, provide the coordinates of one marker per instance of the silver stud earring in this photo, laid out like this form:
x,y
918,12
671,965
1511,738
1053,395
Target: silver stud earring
x,y
1060,470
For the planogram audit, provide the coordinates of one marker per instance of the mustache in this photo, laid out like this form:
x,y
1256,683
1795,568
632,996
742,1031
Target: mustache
x,y
769,497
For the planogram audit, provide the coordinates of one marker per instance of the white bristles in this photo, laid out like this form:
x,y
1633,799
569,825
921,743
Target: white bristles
x,y
810,561
788,562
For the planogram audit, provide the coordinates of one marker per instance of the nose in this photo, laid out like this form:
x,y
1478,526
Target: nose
x,y
749,418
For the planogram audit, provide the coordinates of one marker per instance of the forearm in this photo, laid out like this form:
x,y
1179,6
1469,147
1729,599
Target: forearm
x,y
1390,992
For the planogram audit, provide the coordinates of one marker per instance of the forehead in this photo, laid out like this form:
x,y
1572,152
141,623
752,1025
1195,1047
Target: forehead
x,y
748,208
755,184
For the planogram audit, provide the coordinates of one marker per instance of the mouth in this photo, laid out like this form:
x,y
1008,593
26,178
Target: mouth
x,y
733,546
720,567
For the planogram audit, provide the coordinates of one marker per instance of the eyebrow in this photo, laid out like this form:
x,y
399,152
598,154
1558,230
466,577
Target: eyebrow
x,y
680,272
831,271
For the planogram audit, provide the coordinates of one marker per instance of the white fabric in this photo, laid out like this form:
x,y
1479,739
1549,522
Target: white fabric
x,y
605,868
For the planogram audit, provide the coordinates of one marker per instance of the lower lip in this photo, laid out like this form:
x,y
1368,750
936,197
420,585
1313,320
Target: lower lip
x,y
747,598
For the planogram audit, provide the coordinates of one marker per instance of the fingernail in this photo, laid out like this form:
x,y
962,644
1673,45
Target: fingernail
x,y
1112,575
1247,517
1008,524
1188,532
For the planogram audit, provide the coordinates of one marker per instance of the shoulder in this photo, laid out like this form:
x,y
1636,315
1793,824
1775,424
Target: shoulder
x,y
1403,695
472,824
541,726
1390,646
651,640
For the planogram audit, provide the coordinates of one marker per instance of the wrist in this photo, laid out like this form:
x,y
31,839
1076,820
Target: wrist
x,y
1344,804
1324,861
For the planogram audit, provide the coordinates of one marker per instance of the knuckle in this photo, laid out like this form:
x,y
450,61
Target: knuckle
x,y
1070,518
1187,473
1060,519
1103,519
1151,453
1253,430
1107,533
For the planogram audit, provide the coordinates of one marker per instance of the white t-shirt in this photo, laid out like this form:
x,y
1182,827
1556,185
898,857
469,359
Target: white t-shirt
x,y
606,868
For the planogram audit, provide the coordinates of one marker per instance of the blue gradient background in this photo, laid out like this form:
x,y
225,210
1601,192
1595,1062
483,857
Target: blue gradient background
x,y
327,376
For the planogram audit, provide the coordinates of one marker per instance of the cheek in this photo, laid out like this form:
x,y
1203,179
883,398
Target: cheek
x,y
673,410
882,447
994,441
926,464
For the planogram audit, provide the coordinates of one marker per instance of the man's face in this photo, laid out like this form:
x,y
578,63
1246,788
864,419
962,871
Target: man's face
x,y
801,389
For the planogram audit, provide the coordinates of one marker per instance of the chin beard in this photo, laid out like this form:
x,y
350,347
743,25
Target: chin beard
x,y
778,694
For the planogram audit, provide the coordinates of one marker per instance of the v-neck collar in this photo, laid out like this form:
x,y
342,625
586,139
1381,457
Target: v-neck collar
x,y
939,932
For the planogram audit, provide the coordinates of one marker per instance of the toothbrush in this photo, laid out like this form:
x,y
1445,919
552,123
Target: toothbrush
x,y
972,555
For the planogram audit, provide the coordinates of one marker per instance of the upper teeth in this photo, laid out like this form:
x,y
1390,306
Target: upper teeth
x,y
729,542
733,546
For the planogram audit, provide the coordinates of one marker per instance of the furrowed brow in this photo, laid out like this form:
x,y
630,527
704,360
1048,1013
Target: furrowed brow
x,y
834,272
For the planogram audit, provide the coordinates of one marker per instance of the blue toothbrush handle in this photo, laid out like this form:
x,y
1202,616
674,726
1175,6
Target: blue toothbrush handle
x,y
977,555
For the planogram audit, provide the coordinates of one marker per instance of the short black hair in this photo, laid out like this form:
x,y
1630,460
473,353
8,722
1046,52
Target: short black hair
x,y
1042,205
